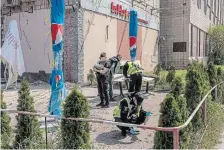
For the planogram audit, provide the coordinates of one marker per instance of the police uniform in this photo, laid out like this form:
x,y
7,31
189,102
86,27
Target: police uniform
x,y
114,62
134,70
129,111
97,84
103,85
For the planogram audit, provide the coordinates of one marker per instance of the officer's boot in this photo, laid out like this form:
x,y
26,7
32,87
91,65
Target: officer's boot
x,y
123,133
100,104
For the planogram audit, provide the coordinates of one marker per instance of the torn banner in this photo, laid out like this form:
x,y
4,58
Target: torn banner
x,y
58,91
133,34
11,50
11,54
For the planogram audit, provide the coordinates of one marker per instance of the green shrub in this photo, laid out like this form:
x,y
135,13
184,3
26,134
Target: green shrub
x,y
75,134
161,82
6,131
177,86
212,73
171,74
158,69
173,113
197,85
216,54
28,134
220,78
91,77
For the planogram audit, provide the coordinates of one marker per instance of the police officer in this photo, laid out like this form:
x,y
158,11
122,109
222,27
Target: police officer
x,y
102,80
114,63
98,62
130,110
133,71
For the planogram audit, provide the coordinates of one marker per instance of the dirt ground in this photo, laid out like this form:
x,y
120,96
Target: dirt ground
x,y
102,136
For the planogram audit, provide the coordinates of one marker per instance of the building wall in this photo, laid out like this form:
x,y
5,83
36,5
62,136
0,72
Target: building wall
x,y
35,37
73,45
149,54
203,15
95,38
116,41
198,16
174,27
83,42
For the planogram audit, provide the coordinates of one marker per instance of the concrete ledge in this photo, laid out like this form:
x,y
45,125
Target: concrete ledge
x,y
32,77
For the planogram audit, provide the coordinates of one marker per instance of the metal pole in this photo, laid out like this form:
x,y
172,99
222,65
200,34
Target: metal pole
x,y
176,139
147,87
46,131
121,90
205,111
126,82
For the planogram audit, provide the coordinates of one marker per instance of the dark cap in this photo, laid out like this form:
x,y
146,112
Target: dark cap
x,y
139,97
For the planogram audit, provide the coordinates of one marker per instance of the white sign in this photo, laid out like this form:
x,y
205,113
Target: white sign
x,y
108,7
11,50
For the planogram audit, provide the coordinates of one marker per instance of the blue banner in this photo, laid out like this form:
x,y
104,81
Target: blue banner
x,y
58,91
133,33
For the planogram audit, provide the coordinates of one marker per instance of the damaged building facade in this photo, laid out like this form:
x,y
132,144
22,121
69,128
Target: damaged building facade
x,y
91,27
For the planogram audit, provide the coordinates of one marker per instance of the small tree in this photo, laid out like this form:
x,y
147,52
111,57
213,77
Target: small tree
x,y
91,77
216,35
212,73
197,85
174,113
220,78
6,130
75,134
158,69
177,86
171,74
28,134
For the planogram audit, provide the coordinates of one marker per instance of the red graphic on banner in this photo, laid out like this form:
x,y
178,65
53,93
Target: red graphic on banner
x,y
58,78
57,32
132,41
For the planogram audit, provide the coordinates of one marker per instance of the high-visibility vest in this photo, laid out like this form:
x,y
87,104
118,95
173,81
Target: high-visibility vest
x,y
117,110
133,68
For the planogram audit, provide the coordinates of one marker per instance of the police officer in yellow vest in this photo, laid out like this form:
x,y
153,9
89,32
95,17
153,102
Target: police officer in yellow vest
x,y
130,110
133,71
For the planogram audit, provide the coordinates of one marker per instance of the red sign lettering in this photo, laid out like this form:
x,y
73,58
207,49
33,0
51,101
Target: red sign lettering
x,y
118,10
124,13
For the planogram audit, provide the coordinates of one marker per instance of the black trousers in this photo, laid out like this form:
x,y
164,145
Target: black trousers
x,y
140,120
103,89
136,82
123,129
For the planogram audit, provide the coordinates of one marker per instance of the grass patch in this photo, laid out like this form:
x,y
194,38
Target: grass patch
x,y
182,75
162,84
214,127
222,66
179,73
